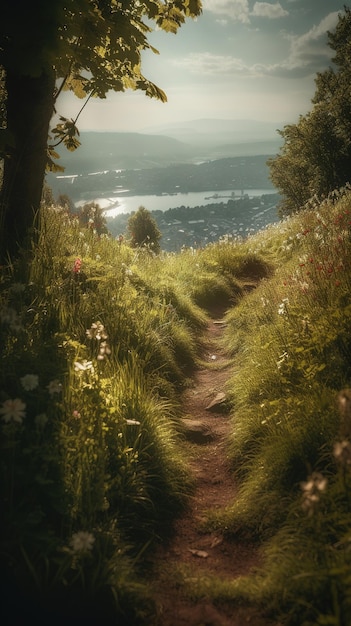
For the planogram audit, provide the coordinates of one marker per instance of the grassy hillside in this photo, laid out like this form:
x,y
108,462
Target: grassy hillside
x,y
97,346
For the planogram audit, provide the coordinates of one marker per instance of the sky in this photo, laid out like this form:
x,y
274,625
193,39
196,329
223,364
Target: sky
x,y
240,60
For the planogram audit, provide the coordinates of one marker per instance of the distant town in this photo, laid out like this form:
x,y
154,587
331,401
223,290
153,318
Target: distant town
x,y
198,226
109,167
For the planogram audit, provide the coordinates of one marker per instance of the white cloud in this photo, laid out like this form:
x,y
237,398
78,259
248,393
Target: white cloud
x,y
222,22
309,54
237,10
212,64
310,51
266,9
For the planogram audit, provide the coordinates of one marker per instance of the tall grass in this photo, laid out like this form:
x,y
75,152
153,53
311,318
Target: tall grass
x,y
91,465
289,446
97,348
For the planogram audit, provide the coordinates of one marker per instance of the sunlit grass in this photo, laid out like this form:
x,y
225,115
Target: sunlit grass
x,y
290,339
97,348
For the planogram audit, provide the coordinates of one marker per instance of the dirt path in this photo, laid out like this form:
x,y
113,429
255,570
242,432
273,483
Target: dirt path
x,y
205,553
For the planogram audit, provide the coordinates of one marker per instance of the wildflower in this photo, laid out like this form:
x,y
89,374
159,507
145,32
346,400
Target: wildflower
x,y
104,350
17,288
96,331
83,366
41,420
82,541
29,382
282,310
312,489
342,452
14,410
10,316
76,415
282,358
305,326
54,386
77,265
126,270
344,406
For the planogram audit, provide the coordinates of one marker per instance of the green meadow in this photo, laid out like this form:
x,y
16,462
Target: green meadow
x,y
99,339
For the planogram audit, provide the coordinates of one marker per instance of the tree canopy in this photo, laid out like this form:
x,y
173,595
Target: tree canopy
x,y
144,231
89,47
315,158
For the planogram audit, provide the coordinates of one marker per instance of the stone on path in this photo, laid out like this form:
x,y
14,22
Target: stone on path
x,y
217,401
197,432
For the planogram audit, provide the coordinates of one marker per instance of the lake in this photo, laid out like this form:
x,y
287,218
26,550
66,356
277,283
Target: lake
x,y
115,205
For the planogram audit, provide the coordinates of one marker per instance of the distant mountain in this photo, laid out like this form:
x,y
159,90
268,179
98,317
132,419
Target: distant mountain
x,y
212,132
255,148
188,142
110,151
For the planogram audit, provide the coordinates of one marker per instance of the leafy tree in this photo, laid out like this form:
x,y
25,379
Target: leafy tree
x,y
143,230
315,158
87,46
66,202
92,216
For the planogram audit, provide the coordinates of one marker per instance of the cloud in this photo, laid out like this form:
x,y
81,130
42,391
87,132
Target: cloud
x,y
308,54
237,10
205,63
266,9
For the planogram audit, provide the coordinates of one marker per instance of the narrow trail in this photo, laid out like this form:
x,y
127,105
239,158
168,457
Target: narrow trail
x,y
200,552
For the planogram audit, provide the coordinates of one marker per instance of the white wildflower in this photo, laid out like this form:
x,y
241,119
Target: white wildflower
x,y
282,310
132,422
17,288
10,317
342,452
282,358
54,386
83,366
96,331
14,410
104,350
29,382
41,420
312,488
82,541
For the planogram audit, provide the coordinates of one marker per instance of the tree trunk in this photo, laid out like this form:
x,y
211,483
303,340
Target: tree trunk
x,y
29,108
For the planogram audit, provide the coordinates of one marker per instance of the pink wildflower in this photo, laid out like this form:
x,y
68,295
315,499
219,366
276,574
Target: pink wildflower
x,y
77,266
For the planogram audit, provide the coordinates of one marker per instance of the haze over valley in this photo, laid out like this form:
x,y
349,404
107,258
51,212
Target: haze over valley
x,y
206,179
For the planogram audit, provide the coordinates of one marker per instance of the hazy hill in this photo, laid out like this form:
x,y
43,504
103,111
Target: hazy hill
x,y
247,172
110,151
179,143
198,157
212,133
